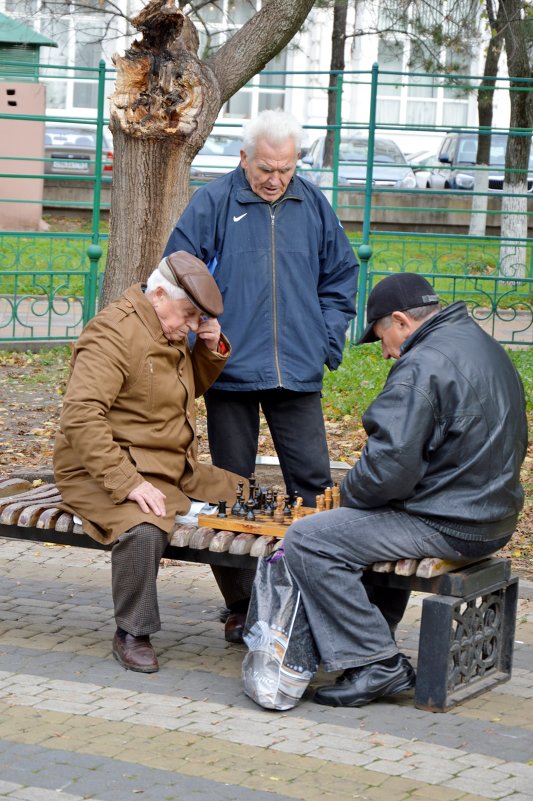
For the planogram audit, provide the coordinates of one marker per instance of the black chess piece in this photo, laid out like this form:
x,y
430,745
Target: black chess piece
x,y
287,511
221,509
250,514
238,507
270,504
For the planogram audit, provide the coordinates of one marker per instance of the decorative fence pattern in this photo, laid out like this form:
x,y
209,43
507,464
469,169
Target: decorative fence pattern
x,y
49,279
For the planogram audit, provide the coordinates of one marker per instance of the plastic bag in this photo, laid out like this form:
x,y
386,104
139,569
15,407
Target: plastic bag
x,y
282,655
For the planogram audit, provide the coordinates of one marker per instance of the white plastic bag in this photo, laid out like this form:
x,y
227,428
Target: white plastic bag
x,y
282,655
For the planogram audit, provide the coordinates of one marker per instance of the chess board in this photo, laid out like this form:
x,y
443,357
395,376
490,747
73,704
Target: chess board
x,y
262,525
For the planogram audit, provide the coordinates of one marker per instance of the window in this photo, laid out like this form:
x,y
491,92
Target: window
x,y
390,59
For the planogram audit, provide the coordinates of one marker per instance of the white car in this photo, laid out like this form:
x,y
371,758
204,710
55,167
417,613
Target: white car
x,y
422,162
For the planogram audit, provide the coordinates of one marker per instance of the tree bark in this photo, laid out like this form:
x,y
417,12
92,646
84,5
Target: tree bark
x,y
338,40
485,105
165,103
513,254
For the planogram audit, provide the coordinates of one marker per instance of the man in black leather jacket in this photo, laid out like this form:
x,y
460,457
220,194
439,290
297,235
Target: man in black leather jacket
x,y
439,476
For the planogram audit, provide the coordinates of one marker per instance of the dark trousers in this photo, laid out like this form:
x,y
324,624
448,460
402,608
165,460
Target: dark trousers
x,y
296,424
135,559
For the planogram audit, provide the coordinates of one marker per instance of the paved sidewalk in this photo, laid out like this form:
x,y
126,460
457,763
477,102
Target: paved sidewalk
x,y
74,725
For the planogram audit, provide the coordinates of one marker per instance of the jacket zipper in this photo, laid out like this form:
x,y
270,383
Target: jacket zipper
x,y
274,298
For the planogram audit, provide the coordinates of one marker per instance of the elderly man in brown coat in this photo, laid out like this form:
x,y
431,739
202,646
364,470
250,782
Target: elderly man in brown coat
x,y
126,453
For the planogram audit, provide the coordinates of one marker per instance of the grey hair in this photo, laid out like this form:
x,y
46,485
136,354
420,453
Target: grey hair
x,y
274,126
156,280
416,313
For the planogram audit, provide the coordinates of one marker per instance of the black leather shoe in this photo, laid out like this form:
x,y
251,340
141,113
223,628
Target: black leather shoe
x,y
135,653
359,686
234,627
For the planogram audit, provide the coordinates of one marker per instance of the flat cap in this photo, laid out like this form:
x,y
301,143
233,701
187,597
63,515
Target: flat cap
x,y
190,274
397,292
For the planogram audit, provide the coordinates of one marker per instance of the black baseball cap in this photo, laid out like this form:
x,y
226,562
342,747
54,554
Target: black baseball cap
x,y
398,292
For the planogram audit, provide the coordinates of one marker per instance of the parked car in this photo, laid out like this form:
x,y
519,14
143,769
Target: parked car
x,y
422,162
458,152
70,149
390,169
220,154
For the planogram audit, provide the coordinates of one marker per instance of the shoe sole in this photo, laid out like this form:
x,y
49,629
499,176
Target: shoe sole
x,y
406,684
152,669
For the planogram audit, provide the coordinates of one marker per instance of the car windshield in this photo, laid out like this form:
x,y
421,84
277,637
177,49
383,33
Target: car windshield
x,y
221,146
498,144
67,137
385,151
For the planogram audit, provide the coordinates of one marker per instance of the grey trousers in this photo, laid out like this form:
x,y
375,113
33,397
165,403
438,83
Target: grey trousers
x,y
327,553
135,559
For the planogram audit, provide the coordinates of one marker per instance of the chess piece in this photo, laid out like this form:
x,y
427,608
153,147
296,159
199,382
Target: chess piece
x,y
279,517
269,503
328,498
287,511
336,495
320,503
298,510
250,515
238,507
221,509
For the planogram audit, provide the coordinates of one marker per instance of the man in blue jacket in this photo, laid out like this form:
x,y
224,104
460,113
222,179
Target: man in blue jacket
x,y
439,476
288,277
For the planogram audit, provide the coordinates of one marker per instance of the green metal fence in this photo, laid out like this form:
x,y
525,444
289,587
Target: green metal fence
x,y
49,279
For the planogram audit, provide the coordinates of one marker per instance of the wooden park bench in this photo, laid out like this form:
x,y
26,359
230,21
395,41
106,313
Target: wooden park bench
x,y
468,617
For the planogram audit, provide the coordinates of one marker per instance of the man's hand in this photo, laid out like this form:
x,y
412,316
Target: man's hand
x,y
149,498
209,332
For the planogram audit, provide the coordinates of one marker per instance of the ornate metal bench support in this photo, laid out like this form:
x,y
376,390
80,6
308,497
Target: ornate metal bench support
x,y
465,645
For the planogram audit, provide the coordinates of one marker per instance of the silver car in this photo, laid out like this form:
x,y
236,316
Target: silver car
x,y
219,155
458,153
70,149
390,169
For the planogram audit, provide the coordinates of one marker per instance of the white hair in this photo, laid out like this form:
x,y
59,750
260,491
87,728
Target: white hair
x,y
156,280
274,126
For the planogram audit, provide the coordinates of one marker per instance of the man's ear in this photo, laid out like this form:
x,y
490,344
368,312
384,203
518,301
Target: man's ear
x,y
403,321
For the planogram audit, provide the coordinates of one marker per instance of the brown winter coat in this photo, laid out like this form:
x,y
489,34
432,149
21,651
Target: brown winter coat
x,y
129,416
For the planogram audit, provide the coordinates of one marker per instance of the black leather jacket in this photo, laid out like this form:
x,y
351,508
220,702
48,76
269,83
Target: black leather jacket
x,y
447,434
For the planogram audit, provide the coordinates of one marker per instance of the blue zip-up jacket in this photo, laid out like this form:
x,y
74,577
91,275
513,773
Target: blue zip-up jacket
x,y
287,274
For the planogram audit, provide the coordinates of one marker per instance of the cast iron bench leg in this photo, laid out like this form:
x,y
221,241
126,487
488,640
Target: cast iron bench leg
x,y
465,645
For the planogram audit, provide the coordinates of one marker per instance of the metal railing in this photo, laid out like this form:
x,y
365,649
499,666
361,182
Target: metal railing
x,y
49,279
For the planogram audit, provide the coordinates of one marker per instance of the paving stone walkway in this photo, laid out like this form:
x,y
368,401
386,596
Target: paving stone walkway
x,y
74,725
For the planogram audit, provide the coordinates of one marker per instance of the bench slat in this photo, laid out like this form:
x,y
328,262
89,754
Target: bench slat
x,y
201,538
434,566
181,535
49,518
221,541
9,486
242,544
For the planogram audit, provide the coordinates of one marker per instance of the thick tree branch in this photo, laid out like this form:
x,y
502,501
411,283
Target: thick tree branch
x,y
256,43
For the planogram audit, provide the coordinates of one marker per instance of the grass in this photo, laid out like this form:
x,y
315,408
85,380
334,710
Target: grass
x,y
352,388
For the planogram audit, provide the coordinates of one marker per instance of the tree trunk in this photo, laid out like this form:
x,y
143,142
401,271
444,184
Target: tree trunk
x,y
156,184
513,254
485,101
338,39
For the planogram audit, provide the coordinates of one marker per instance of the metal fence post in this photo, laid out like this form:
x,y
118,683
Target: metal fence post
x,y
94,251
337,140
365,249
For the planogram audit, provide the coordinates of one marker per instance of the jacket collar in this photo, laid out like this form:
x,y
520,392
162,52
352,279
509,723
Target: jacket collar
x,y
451,315
245,194
136,297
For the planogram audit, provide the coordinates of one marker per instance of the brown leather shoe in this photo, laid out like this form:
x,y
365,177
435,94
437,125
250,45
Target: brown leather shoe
x,y
135,653
234,627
